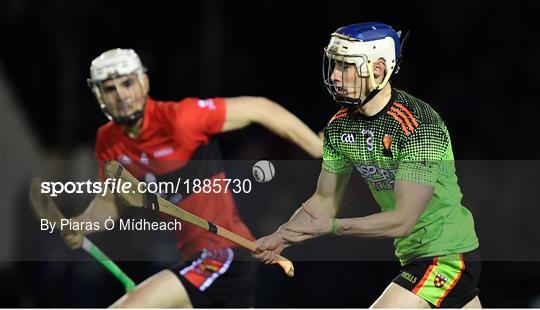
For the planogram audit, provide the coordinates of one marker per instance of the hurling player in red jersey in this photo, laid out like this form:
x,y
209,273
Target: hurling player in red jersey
x,y
166,140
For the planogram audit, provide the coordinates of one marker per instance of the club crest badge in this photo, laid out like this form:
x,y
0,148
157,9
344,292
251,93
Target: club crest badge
x,y
387,144
440,280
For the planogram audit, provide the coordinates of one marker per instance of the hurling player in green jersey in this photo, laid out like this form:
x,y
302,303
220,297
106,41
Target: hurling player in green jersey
x,y
402,149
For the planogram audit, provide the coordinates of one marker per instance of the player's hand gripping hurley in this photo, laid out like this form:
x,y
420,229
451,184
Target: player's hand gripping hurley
x,y
44,208
114,170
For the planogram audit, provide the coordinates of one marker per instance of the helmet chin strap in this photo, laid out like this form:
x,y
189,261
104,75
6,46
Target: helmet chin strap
x,y
370,96
129,120
377,87
372,77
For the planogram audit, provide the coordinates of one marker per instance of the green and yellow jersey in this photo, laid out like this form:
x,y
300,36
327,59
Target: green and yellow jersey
x,y
409,141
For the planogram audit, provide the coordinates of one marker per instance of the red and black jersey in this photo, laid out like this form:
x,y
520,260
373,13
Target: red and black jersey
x,y
176,142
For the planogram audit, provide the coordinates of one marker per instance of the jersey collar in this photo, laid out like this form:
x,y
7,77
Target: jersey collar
x,y
385,109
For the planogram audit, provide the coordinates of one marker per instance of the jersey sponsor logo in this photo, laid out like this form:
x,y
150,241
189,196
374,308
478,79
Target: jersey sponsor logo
x,y
163,152
440,280
347,138
207,104
369,139
387,145
380,179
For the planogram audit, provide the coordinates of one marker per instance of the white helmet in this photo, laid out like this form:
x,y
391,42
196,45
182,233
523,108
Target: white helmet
x,y
115,62
352,50
362,45
112,64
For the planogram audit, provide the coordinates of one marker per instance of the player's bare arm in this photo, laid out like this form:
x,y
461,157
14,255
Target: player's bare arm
x,y
99,210
411,200
324,204
243,111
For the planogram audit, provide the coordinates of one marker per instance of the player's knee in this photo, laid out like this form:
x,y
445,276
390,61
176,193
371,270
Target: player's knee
x,y
162,290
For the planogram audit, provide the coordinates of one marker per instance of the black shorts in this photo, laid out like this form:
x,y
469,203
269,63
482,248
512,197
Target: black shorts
x,y
444,281
219,278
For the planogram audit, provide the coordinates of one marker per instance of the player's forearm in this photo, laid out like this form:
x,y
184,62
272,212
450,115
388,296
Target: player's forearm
x,y
304,137
300,218
385,224
99,210
285,124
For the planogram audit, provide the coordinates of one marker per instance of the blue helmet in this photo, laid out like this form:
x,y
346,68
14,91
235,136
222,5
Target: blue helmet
x,y
361,45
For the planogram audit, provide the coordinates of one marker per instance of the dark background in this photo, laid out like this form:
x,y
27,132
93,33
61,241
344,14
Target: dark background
x,y
476,62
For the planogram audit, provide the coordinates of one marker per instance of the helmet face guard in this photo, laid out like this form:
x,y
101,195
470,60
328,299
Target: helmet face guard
x,y
118,82
347,89
121,98
359,46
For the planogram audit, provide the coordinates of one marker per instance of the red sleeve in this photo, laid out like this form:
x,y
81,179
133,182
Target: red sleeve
x,y
198,119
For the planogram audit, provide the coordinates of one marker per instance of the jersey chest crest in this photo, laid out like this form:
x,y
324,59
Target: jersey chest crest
x,y
365,143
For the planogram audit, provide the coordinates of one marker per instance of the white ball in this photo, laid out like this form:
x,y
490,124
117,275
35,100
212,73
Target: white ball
x,y
263,171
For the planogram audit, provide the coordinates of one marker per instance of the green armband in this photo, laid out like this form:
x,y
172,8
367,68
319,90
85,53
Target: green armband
x,y
334,227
